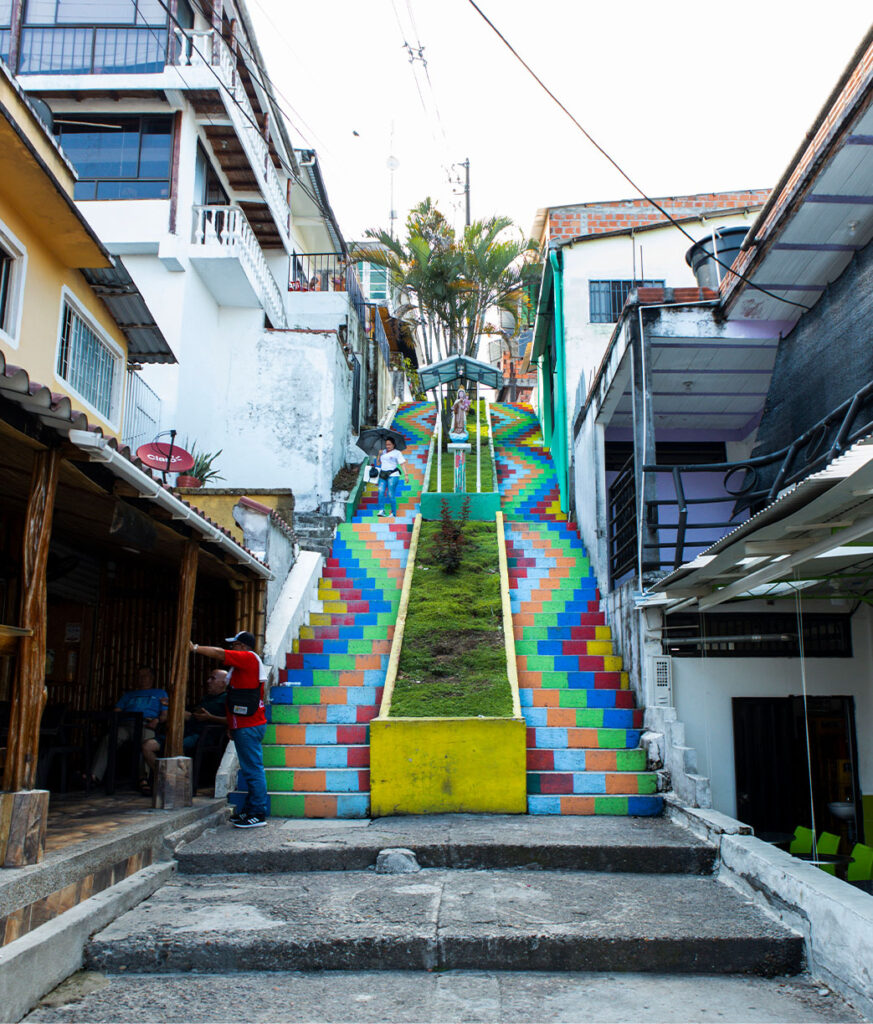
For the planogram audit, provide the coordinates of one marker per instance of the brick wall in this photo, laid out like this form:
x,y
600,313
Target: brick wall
x,y
601,218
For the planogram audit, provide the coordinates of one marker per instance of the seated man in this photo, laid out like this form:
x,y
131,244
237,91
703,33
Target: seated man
x,y
209,710
146,700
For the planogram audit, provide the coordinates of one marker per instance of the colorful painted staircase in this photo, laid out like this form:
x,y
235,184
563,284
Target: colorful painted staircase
x,y
316,750
583,724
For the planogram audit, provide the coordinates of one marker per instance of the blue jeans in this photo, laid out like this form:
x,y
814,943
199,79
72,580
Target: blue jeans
x,y
250,752
390,487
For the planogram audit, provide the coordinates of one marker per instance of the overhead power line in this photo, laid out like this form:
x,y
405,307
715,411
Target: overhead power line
x,y
615,164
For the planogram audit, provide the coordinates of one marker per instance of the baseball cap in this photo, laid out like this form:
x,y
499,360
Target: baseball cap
x,y
243,637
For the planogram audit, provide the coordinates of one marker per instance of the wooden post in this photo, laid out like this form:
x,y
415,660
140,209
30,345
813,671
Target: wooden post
x,y
23,816
181,655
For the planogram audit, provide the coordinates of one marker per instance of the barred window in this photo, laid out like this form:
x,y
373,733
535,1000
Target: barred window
x,y
606,298
13,261
87,363
757,635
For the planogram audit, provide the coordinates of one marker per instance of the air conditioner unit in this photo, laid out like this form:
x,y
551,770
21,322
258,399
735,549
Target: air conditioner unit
x,y
661,669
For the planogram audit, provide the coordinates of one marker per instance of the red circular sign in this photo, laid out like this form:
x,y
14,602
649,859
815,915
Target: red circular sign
x,y
155,456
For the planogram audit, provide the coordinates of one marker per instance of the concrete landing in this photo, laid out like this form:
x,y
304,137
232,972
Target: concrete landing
x,y
647,845
445,920
453,997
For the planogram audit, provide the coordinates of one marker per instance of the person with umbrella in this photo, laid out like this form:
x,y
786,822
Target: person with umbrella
x,y
384,446
390,464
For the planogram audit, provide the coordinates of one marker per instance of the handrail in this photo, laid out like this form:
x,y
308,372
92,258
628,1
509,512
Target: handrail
x,y
400,624
508,627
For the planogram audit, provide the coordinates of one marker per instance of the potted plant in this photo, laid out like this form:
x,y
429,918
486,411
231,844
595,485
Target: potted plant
x,y
202,471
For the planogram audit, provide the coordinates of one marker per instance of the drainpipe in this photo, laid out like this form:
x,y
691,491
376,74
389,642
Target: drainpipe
x,y
561,403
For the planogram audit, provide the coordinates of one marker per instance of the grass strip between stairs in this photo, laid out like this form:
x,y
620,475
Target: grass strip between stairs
x,y
453,659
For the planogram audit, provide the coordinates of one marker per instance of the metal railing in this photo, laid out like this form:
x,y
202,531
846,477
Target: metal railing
x,y
680,522
92,50
622,526
142,412
328,272
225,231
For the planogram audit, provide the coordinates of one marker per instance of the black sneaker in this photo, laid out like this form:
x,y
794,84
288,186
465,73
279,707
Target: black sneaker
x,y
249,821
237,815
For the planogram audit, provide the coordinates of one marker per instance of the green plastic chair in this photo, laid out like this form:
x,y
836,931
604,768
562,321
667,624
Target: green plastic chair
x,y
861,868
802,841
828,843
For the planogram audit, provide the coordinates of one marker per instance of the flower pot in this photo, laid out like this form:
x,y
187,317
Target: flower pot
x,y
188,481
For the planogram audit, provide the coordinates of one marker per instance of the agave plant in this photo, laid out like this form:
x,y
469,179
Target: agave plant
x,y
203,463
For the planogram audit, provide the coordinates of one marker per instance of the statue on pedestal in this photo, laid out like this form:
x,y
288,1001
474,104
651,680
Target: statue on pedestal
x,y
458,430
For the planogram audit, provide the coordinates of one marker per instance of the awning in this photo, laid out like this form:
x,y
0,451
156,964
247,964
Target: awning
x,y
146,343
819,530
459,368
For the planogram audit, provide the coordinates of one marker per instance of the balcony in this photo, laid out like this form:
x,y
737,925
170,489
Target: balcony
x,y
142,412
326,272
228,258
199,62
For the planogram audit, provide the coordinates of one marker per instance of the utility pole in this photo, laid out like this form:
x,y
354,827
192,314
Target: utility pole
x,y
466,166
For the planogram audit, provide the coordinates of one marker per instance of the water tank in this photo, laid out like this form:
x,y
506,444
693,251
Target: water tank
x,y
699,256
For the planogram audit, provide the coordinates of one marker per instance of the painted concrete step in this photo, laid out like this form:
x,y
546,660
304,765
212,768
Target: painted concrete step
x,y
581,760
556,737
337,694
642,806
554,647
317,780
313,755
587,718
446,920
587,696
593,783
321,714
320,805
317,734
647,845
560,680
588,632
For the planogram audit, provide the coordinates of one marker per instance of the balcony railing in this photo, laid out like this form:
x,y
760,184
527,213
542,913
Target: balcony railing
x,y
328,272
92,50
224,231
142,412
207,48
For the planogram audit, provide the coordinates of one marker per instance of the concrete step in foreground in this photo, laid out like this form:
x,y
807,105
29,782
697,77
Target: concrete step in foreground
x,y
447,920
452,996
644,845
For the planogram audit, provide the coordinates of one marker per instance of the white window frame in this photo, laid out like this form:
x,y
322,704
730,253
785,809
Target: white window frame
x,y
10,332
68,298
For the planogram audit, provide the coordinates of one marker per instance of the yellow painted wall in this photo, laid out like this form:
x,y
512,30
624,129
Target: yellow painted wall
x,y
218,504
34,208
448,765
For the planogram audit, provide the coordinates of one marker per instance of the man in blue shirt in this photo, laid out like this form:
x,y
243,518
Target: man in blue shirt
x,y
146,700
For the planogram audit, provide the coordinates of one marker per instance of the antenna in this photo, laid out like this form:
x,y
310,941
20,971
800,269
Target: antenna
x,y
392,163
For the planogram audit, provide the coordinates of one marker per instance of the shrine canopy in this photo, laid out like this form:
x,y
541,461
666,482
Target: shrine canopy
x,y
459,368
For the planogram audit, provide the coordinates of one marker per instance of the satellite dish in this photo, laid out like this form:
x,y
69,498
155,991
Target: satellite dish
x,y
166,458
392,163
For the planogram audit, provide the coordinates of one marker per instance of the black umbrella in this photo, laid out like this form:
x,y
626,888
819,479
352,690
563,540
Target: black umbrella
x,y
372,441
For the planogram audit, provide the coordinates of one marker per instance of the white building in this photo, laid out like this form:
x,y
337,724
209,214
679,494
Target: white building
x,y
187,170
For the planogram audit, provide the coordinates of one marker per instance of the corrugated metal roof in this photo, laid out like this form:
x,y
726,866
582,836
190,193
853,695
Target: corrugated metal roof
x,y
115,286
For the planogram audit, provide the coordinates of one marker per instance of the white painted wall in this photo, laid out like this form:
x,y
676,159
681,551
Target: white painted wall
x,y
612,258
703,690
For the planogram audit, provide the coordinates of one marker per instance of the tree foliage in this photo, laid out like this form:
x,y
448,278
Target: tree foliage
x,y
454,281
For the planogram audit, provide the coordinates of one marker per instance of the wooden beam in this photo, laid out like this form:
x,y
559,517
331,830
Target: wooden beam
x,y
29,695
181,655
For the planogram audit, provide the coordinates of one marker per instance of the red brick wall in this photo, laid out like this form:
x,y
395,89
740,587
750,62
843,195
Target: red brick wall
x,y
601,218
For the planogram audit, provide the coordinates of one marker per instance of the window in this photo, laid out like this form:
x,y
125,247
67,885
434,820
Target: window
x,y
88,363
12,267
5,25
606,298
757,635
119,157
95,12
378,283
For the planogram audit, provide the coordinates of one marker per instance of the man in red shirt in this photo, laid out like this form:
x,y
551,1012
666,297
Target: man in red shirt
x,y
246,720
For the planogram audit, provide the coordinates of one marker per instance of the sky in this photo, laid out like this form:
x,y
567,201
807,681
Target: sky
x,y
686,96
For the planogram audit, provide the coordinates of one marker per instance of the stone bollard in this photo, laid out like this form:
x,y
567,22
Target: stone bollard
x,y
396,861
